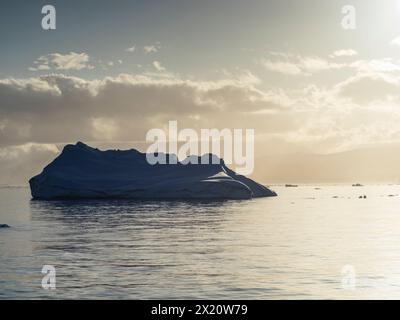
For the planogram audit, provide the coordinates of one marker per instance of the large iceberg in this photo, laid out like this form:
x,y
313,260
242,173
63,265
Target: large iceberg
x,y
83,172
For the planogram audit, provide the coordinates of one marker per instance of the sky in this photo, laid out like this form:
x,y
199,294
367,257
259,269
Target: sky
x,y
324,100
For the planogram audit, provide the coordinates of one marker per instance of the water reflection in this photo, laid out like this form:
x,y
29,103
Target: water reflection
x,y
88,215
292,246
128,244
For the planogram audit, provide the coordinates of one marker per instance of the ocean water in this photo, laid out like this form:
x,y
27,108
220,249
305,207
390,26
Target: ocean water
x,y
309,242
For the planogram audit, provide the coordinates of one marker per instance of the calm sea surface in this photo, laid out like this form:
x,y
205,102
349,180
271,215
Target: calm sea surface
x,y
309,242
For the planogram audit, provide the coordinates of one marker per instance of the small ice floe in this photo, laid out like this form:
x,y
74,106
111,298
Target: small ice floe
x,y
3,226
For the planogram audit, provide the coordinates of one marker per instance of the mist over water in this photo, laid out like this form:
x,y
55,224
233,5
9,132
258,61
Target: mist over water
x,y
291,246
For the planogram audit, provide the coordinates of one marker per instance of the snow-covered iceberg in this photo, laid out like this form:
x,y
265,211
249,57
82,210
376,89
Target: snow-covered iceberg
x,y
81,172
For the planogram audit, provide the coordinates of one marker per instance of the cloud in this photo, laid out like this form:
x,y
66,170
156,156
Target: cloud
x,y
118,111
42,67
131,49
284,67
19,163
395,42
58,61
370,88
290,64
158,66
298,65
376,65
152,48
58,108
109,64
316,64
344,53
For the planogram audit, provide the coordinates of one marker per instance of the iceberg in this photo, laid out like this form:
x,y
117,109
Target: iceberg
x,y
83,172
